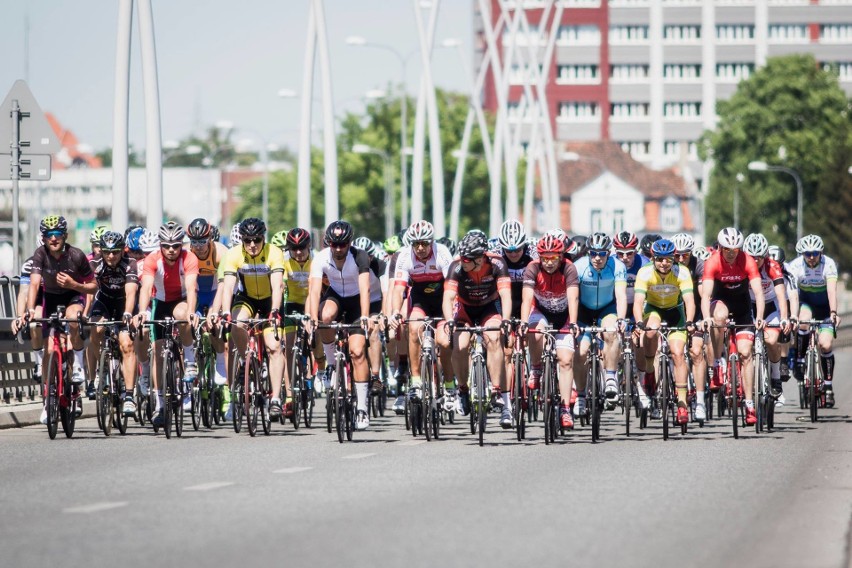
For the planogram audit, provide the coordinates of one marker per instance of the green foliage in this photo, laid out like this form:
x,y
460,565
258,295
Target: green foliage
x,y
789,113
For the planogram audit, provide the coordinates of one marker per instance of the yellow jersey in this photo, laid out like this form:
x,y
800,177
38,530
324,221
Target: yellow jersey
x,y
253,272
663,292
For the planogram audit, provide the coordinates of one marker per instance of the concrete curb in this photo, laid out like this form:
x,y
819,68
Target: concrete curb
x,y
22,415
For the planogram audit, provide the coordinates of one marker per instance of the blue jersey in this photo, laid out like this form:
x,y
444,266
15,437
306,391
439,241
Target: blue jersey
x,y
597,289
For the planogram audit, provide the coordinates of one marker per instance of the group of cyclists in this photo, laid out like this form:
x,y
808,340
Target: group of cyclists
x,y
510,286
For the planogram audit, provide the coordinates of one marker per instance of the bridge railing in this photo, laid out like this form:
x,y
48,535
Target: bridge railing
x,y
16,362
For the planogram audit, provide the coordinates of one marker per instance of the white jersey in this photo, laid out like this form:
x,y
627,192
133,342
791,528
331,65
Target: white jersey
x,y
420,274
812,282
342,281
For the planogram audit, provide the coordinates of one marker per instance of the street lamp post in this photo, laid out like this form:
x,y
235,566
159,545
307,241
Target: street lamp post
x,y
740,179
389,220
759,166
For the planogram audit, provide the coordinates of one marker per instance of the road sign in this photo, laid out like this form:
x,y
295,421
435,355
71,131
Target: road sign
x,y
36,135
33,167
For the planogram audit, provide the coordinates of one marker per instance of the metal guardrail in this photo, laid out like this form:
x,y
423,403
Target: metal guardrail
x,y
16,364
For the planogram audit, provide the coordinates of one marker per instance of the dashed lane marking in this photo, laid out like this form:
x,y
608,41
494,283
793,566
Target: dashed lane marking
x,y
292,470
95,507
208,486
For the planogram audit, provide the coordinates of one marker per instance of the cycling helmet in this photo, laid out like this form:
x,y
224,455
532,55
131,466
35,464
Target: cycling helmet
x,y
572,247
730,238
96,233
214,233
365,244
776,253
149,241
252,227
646,242
512,236
381,254
558,233
599,241
580,240
478,232
132,239
625,240
683,242
494,245
279,239
701,253
663,247
171,233
449,243
549,244
53,223
298,238
235,239
473,245
198,229
421,231
809,243
110,240
339,233
392,244
129,229
756,245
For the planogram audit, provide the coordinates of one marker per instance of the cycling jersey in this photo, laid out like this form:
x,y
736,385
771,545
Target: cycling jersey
x,y
425,277
770,276
169,283
253,272
667,291
516,275
478,287
377,272
208,268
813,282
597,288
344,280
638,262
550,290
296,279
732,280
112,279
72,262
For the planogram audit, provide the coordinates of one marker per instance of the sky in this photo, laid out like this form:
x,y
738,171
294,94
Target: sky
x,y
218,60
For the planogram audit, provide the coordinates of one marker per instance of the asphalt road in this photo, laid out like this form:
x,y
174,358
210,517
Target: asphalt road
x,y
215,498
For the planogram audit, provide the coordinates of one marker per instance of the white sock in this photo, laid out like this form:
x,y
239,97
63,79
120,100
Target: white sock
x,y
159,401
775,370
38,356
699,397
749,404
221,368
362,390
328,348
639,389
506,402
146,368
610,375
78,359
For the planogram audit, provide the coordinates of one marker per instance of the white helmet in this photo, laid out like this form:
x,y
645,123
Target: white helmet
x,y
557,234
701,253
756,245
512,235
809,243
420,231
149,241
236,239
683,242
730,238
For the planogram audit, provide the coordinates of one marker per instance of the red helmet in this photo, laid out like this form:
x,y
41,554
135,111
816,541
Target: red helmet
x,y
549,244
298,238
625,240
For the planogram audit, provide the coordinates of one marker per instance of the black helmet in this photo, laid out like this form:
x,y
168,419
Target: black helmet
x,y
777,254
339,233
214,233
449,243
111,240
252,227
298,238
473,245
646,242
198,229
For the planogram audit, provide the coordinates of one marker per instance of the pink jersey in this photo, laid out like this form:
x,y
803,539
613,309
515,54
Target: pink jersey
x,y
169,280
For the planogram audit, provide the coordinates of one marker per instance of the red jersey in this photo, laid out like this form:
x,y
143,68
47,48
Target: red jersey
x,y
550,290
731,279
478,287
169,280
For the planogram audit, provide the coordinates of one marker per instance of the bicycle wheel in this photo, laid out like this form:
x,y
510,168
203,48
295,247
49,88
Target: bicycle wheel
x,y
118,402
297,388
482,402
812,382
252,394
330,408
308,405
177,403
664,394
340,401
518,413
760,376
627,390
595,406
217,396
426,402
51,393
195,392
547,396
168,393
733,372
103,400
237,396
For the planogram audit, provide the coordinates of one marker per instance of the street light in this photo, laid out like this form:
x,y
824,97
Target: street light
x,y
740,179
364,149
759,166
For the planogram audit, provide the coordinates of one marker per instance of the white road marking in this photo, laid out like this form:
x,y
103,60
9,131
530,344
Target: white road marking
x,y
292,470
95,507
357,456
208,486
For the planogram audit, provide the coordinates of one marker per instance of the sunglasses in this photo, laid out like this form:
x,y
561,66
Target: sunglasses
x,y
663,259
598,253
198,242
110,251
297,249
550,258
253,240
421,243
730,250
625,253
54,234
172,246
465,259
682,254
339,246
811,254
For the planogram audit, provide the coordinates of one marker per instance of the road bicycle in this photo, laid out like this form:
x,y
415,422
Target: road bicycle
x,y
206,394
251,387
520,388
551,398
301,377
812,387
629,396
174,389
480,383
666,395
341,399
425,412
731,398
595,380
109,387
379,400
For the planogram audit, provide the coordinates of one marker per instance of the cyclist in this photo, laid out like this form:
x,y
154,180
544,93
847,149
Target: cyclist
x,y
378,283
397,343
603,302
258,267
775,296
147,243
816,275
64,276
118,282
776,253
626,244
478,291
94,241
728,276
551,297
664,294
422,270
297,268
645,246
516,255
347,299
169,289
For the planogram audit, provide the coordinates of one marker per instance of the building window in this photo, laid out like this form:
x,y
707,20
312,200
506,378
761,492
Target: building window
x,y
670,219
618,220
734,33
788,33
521,38
629,73
843,70
734,71
596,220
678,73
627,111
520,75
835,33
628,34
673,149
637,149
681,34
579,35
579,111
574,74
682,110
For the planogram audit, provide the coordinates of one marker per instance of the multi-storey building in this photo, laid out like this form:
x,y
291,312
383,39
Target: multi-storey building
x,y
647,73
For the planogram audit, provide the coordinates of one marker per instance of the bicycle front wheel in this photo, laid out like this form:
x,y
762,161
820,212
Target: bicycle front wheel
x,y
103,400
252,394
812,382
51,393
595,378
482,400
519,389
733,371
665,379
549,407
627,390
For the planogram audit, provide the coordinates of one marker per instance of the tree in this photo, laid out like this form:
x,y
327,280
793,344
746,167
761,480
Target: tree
x,y
791,112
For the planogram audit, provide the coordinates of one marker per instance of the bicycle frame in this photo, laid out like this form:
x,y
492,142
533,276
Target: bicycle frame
x,y
481,386
342,399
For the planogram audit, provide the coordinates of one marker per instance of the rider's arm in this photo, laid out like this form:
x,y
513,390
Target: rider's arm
x,y
781,295
759,300
227,288
21,304
130,289
638,305
621,299
364,293
190,280
312,305
527,296
689,306
706,294
505,293
276,283
448,303
396,293
32,292
145,292
573,293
